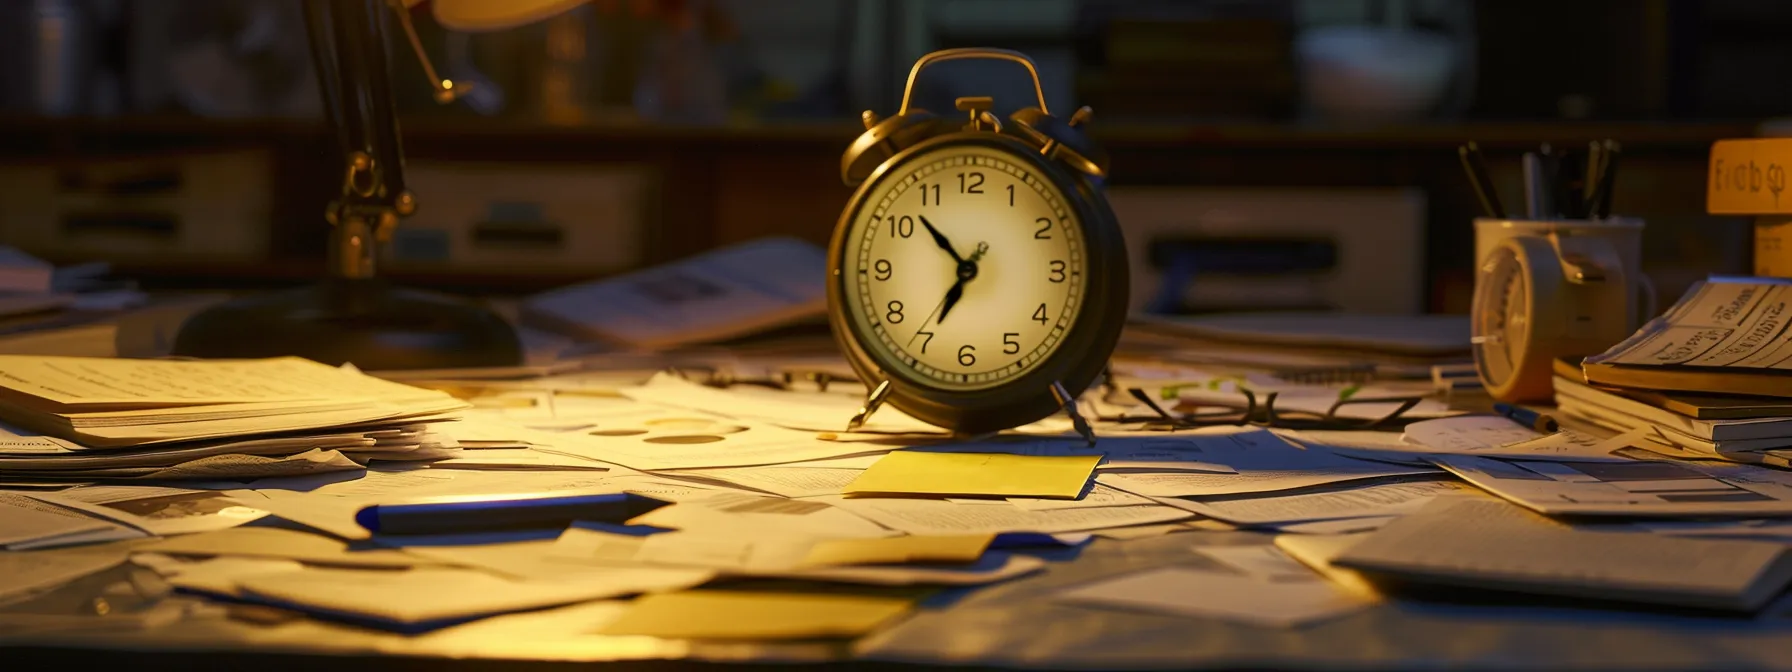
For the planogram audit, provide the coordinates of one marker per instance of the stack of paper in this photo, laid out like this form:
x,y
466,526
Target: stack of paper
x,y
1742,429
100,419
1490,544
1724,336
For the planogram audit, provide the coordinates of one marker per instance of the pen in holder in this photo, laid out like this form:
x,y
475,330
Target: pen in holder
x,y
1546,289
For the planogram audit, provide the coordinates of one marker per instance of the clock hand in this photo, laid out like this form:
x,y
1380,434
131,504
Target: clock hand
x,y
967,270
952,297
940,239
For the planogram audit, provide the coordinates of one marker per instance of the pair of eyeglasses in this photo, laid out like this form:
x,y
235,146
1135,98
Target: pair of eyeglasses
x,y
1262,412
794,380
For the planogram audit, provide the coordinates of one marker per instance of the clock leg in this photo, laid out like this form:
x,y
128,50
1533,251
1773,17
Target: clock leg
x,y
1076,419
872,402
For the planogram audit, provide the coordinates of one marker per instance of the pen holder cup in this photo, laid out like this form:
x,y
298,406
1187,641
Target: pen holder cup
x,y
1546,289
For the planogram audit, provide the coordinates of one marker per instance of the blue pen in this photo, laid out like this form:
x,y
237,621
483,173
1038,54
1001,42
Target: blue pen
x,y
1529,418
478,513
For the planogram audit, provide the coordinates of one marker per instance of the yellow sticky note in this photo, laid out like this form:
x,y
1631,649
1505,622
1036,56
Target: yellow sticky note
x,y
726,614
987,474
893,550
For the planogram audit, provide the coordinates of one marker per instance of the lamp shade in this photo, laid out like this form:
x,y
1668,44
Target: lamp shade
x,y
480,15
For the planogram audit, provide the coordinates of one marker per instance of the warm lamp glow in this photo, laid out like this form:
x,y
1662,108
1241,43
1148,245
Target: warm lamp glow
x,y
478,15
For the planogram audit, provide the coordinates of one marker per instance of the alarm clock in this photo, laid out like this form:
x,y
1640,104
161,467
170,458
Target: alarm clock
x,y
977,278
1551,289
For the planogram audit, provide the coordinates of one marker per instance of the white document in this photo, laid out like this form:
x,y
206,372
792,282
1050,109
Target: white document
x,y
279,543
1468,434
1357,502
1258,561
27,522
928,516
1634,488
25,573
430,596
1336,526
1715,324
1488,543
695,442
784,481
812,412
1251,481
1186,591
1489,436
1318,551
745,553
1098,496
104,383
157,510
772,557
219,576
726,293
532,560
740,514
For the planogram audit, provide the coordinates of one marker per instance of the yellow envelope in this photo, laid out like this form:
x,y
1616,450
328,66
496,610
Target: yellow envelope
x,y
726,614
893,550
990,474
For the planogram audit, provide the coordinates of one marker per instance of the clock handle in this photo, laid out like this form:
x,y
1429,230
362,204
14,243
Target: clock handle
x,y
971,52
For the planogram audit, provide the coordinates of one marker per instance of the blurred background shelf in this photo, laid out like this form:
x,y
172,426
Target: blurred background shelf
x,y
626,134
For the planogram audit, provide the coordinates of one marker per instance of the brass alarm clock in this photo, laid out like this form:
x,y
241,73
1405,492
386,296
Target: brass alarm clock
x,y
977,278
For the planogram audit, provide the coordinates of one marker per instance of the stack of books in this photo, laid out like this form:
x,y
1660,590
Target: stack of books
x,y
1712,377
78,418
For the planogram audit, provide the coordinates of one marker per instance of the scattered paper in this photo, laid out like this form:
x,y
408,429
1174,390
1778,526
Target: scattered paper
x,y
827,412
30,523
278,543
739,514
987,474
922,516
161,511
427,598
1492,544
1317,551
220,576
718,614
784,481
1098,496
1370,500
1185,591
899,550
1258,561
23,573
1636,487
1468,433
1249,482
696,441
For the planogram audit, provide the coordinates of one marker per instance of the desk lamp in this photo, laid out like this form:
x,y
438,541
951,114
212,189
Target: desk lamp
x,y
353,315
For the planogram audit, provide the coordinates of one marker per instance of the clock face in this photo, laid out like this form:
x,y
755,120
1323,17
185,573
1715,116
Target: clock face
x,y
964,268
1502,314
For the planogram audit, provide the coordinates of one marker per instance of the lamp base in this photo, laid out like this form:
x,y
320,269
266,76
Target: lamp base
x,y
376,326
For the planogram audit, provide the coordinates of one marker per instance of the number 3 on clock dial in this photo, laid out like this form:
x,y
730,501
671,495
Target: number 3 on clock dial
x,y
964,268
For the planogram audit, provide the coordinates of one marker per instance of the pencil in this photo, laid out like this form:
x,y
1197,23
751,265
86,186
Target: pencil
x,y
1476,166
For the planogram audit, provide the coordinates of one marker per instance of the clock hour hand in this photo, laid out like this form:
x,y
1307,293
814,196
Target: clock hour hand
x,y
940,239
952,297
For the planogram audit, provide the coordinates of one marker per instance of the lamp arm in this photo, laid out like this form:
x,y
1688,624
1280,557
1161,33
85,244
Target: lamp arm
x,y
348,44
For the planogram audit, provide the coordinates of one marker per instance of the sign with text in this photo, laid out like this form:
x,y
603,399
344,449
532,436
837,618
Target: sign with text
x,y
1748,177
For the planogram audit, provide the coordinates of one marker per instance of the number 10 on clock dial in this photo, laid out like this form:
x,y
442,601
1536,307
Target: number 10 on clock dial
x,y
965,267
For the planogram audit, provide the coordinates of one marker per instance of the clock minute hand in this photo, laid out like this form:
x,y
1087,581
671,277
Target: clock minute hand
x,y
940,239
